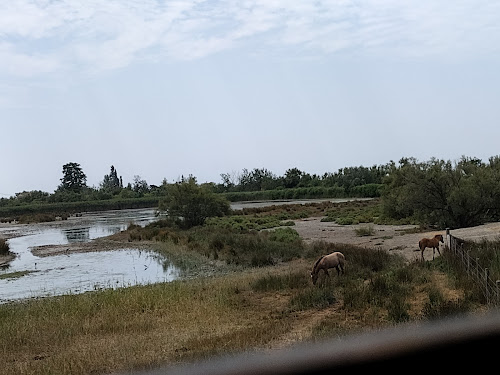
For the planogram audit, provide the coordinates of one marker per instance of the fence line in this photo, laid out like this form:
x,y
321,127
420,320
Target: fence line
x,y
481,275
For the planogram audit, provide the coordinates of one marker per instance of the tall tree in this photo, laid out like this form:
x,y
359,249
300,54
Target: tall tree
x,y
111,182
73,177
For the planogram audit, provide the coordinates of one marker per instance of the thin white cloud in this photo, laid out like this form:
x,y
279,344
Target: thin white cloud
x,y
43,36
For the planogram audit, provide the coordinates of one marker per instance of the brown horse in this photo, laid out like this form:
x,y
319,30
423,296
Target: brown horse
x,y
333,260
430,242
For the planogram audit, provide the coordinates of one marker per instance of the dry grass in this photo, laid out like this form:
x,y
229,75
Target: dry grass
x,y
257,308
134,327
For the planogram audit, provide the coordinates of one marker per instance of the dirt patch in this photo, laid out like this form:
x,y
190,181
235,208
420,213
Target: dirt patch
x,y
86,247
393,238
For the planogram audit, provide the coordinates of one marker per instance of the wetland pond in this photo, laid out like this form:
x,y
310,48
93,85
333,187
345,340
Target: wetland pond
x,y
32,276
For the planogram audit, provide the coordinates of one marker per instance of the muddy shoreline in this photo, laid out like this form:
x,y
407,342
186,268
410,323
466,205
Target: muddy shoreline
x,y
87,247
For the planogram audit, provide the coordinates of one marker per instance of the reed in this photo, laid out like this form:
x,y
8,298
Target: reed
x,y
118,330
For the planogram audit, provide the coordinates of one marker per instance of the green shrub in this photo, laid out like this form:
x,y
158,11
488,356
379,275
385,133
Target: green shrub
x,y
284,235
190,204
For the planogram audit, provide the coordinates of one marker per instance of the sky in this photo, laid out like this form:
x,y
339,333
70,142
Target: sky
x,y
162,89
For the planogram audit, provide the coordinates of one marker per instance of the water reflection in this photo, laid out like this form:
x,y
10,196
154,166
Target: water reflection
x,y
77,235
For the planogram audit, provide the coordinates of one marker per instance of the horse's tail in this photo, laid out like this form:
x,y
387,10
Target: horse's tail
x,y
316,264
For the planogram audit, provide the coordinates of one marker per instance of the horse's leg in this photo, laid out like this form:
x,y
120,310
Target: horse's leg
x,y
337,267
422,250
439,252
433,251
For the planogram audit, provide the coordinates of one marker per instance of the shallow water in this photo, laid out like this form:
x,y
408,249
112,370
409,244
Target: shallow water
x,y
81,272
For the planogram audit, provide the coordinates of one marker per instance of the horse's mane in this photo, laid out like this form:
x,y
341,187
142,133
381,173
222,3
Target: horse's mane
x,y
317,262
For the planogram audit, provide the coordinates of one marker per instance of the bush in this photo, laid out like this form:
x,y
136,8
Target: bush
x,y
442,193
284,235
190,205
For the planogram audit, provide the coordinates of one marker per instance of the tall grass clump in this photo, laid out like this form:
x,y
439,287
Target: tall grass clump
x,y
278,282
365,231
437,306
314,297
4,247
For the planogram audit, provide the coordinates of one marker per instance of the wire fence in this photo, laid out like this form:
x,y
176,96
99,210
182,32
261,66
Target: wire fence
x,y
481,275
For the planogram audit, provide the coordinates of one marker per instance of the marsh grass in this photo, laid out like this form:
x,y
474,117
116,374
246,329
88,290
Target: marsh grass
x,y
245,222
146,326
277,282
133,327
15,275
365,231
230,300
232,246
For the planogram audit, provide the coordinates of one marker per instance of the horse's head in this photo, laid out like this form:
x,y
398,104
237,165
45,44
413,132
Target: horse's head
x,y
314,277
440,238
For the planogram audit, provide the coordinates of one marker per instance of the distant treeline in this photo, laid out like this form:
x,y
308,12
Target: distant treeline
x,y
343,182
73,195
435,192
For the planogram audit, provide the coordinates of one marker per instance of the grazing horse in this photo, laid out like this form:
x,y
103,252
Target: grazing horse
x,y
333,260
430,242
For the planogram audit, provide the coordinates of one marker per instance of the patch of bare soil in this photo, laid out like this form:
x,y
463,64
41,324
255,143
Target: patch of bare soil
x,y
393,238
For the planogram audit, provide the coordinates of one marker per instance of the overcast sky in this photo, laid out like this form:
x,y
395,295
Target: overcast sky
x,y
162,89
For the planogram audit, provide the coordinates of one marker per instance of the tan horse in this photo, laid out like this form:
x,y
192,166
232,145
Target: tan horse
x,y
430,242
333,260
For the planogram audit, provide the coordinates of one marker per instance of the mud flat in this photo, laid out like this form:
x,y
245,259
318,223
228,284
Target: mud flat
x,y
393,238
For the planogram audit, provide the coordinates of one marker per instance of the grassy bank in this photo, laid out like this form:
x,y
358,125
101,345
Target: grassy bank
x,y
47,211
254,308
44,211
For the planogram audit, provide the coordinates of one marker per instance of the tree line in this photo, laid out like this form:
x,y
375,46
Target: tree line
x,y
260,179
435,192
74,188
